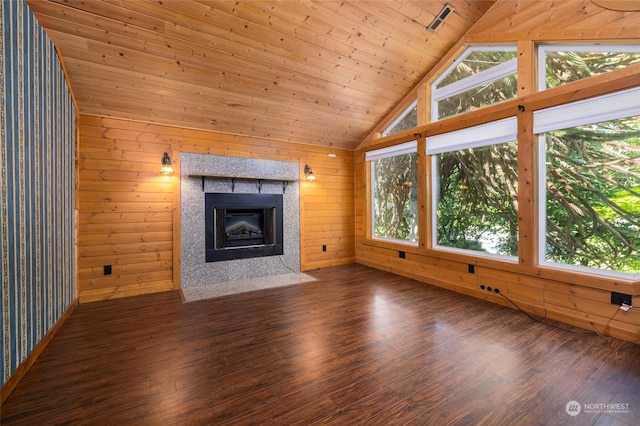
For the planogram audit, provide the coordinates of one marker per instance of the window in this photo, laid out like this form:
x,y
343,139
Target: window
x,y
395,192
481,77
407,120
475,175
563,64
590,185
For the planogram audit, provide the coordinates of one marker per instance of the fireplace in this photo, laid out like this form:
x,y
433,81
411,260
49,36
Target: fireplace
x,y
241,226
200,174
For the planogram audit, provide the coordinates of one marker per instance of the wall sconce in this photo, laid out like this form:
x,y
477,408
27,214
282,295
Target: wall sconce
x,y
309,173
166,165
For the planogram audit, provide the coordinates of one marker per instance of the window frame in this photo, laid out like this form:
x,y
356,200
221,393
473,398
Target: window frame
x,y
597,109
544,48
497,72
493,133
403,148
401,117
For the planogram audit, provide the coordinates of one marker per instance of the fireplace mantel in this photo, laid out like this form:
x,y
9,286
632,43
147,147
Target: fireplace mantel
x,y
234,179
252,177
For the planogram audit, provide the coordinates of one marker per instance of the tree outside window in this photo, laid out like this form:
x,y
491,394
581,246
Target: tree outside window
x,y
407,120
475,195
477,199
592,196
564,64
481,77
589,170
394,184
590,188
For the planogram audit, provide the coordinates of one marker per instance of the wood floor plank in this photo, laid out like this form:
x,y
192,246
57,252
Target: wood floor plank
x,y
356,346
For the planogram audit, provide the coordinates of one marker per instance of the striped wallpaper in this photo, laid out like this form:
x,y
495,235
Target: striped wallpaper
x,y
37,184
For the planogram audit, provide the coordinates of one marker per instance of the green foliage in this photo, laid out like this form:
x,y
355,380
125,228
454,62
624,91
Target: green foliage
x,y
396,197
593,197
566,66
477,198
482,95
475,62
592,182
409,121
478,97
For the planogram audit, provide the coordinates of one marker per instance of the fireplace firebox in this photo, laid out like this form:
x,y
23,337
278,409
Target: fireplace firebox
x,y
241,226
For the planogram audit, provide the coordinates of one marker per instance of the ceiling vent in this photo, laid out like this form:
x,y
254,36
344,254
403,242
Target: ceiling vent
x,y
446,10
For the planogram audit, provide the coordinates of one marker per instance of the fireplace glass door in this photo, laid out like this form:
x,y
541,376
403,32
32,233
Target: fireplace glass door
x,y
240,226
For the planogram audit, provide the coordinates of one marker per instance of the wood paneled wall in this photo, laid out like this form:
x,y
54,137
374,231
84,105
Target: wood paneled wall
x,y
579,299
129,213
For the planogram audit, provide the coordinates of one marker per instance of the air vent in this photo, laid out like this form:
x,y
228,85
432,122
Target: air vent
x,y
440,18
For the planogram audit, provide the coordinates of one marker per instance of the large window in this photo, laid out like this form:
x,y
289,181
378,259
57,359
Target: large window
x,y
563,64
588,166
590,184
475,175
482,76
394,186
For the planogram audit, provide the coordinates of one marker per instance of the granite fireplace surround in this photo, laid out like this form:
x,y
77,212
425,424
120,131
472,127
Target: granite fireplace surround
x,y
240,176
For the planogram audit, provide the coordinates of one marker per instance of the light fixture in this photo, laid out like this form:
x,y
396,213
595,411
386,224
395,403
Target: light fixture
x,y
166,165
309,173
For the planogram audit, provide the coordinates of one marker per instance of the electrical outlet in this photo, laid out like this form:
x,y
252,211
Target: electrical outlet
x,y
471,268
107,269
490,289
620,298
402,254
324,247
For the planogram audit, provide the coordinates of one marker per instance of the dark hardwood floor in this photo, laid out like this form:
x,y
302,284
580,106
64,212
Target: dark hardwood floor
x,y
357,346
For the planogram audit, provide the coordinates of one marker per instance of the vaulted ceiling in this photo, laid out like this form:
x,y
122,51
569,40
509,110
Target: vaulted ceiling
x,y
316,72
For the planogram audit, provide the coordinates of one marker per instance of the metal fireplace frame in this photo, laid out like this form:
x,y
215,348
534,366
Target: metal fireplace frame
x,y
215,202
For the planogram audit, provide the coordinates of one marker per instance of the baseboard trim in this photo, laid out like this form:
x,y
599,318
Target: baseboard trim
x,y
23,368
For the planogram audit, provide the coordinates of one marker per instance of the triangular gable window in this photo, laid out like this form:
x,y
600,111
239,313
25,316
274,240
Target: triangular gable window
x,y
407,120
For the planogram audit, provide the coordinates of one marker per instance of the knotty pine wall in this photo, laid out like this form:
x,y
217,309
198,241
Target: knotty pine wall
x,y
578,299
129,213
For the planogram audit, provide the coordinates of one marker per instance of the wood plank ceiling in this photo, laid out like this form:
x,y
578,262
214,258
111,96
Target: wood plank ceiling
x,y
315,72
